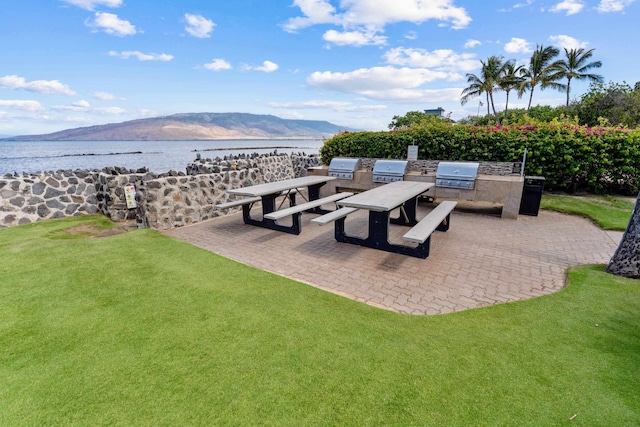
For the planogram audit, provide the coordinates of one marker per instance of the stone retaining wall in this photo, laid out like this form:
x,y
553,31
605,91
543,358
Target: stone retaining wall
x,y
164,201
28,198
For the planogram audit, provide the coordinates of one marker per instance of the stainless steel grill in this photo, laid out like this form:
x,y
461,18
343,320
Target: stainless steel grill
x,y
343,167
457,175
389,170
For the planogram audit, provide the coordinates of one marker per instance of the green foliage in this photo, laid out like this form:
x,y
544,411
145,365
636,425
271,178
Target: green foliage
x,y
413,118
618,104
520,116
570,157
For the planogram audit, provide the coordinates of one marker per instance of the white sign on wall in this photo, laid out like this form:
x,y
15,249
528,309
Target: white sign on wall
x,y
130,195
412,152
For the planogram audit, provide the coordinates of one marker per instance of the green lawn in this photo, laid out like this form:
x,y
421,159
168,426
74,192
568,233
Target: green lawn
x,y
140,329
610,213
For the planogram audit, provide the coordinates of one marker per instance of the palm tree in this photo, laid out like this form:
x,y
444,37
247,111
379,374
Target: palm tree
x,y
575,66
541,70
510,79
486,83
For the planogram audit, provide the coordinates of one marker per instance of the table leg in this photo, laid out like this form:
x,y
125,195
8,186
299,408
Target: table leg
x,y
378,237
410,207
314,194
268,206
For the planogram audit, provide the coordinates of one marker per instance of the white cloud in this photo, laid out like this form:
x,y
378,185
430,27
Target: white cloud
x,y
518,45
218,64
82,104
567,42
368,18
21,105
198,26
471,43
381,83
353,38
142,56
411,35
377,14
426,96
104,96
267,67
525,4
42,86
110,111
315,12
613,5
111,24
440,59
571,7
91,4
339,106
84,107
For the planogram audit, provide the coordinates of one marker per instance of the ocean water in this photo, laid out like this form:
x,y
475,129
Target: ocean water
x,y
157,156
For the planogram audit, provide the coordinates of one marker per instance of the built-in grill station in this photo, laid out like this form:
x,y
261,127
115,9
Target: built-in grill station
x,y
457,175
343,167
389,170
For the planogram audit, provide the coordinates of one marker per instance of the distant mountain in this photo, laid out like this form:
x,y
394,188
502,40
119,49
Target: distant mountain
x,y
195,126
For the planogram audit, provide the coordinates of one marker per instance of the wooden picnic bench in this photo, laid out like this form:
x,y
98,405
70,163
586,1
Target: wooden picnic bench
x,y
298,209
239,202
437,219
333,216
252,200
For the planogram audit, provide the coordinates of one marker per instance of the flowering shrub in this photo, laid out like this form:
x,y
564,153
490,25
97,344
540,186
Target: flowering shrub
x,y
570,157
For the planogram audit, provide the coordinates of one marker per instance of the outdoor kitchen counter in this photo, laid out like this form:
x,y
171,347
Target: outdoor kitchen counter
x,y
505,190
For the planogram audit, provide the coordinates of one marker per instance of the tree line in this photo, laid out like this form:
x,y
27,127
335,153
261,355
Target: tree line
x,y
544,69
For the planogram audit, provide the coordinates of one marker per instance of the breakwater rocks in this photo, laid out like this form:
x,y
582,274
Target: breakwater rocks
x,y
159,201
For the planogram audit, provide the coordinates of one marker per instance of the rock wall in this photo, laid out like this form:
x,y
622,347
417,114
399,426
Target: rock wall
x,y
164,201
28,198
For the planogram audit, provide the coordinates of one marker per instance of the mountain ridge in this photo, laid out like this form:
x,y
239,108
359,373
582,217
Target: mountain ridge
x,y
196,127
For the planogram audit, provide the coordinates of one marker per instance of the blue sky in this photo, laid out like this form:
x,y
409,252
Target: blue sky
x,y
355,63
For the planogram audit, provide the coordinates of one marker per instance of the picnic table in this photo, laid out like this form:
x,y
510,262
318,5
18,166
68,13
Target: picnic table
x,y
380,201
267,194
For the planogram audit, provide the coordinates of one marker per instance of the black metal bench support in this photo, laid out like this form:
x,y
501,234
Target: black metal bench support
x,y
269,205
378,237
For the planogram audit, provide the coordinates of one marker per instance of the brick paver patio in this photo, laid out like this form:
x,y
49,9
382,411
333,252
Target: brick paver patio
x,y
481,260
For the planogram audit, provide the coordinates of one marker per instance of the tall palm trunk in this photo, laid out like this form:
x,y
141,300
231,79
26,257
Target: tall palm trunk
x,y
493,106
530,98
568,89
488,111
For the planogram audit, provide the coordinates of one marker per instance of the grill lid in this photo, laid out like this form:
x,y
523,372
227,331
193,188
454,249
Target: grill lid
x,y
344,164
389,170
457,170
457,175
343,167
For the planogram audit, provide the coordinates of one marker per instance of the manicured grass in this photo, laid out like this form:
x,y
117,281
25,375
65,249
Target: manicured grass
x,y
140,329
610,213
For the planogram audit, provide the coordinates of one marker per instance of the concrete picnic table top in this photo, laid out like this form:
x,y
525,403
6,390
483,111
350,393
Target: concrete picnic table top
x,y
278,186
386,197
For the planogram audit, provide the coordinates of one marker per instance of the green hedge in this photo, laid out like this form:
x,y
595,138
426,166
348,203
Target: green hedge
x,y
570,157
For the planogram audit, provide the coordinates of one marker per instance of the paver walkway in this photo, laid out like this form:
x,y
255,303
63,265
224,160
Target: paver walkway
x,y
481,260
